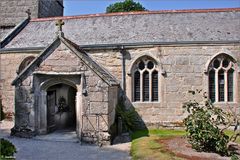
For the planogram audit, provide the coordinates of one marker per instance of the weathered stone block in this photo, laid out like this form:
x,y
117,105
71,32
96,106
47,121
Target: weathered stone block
x,y
96,96
198,60
172,87
103,123
89,123
27,81
61,68
92,81
182,68
168,60
174,105
182,60
198,69
21,95
45,68
194,81
167,68
174,97
105,96
99,107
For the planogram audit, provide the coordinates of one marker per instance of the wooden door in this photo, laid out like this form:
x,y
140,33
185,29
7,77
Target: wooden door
x,y
51,103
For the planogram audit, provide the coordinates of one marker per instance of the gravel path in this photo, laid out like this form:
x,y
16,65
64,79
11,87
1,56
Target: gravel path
x,y
46,150
34,149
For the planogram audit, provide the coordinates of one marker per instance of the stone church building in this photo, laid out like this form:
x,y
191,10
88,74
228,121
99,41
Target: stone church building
x,y
71,72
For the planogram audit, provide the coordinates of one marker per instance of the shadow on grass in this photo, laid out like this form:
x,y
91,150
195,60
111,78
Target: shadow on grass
x,y
139,134
158,132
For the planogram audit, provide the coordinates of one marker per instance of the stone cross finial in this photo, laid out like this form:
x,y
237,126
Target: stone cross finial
x,y
28,13
60,23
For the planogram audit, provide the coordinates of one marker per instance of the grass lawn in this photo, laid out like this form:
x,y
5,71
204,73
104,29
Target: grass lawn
x,y
145,144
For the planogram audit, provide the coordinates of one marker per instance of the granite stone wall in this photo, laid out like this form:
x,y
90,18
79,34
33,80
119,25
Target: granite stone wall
x,y
24,105
9,65
12,12
182,68
96,101
98,110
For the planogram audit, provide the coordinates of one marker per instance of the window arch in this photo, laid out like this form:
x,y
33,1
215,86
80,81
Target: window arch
x,y
145,80
221,73
25,63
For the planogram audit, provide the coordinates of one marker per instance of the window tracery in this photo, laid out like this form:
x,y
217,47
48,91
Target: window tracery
x,y
145,81
221,79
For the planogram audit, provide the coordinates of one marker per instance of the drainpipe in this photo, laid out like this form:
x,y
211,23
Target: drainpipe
x,y
123,52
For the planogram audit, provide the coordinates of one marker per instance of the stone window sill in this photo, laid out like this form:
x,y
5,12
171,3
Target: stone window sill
x,y
225,103
146,102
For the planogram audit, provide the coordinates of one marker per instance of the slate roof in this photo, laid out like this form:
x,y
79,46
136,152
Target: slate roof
x,y
158,26
95,67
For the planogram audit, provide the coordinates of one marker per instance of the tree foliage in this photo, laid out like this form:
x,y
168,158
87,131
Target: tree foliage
x,y
125,6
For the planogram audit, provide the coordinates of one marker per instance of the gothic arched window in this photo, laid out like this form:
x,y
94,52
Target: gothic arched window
x,y
25,63
221,79
145,81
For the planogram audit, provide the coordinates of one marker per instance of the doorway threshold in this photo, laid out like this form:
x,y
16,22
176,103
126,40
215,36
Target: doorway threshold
x,y
59,136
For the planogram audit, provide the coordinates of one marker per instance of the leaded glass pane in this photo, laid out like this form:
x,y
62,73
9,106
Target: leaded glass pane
x,y
230,85
212,85
221,85
145,86
155,86
141,65
225,63
150,65
137,86
216,63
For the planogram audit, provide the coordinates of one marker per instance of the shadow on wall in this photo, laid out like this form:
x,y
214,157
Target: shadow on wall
x,y
23,107
128,120
7,115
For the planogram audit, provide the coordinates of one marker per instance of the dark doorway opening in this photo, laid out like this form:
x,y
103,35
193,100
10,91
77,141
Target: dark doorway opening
x,y
61,108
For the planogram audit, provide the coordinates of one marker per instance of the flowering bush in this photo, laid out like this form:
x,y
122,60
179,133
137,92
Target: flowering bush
x,y
202,126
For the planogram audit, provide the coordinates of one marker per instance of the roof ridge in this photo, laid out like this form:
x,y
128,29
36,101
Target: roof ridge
x,y
136,13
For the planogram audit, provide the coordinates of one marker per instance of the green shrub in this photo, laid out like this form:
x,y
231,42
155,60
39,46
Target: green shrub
x,y
7,148
234,157
202,126
129,117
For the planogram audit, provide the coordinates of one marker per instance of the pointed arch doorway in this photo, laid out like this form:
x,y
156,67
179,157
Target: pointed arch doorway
x,y
61,107
58,102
